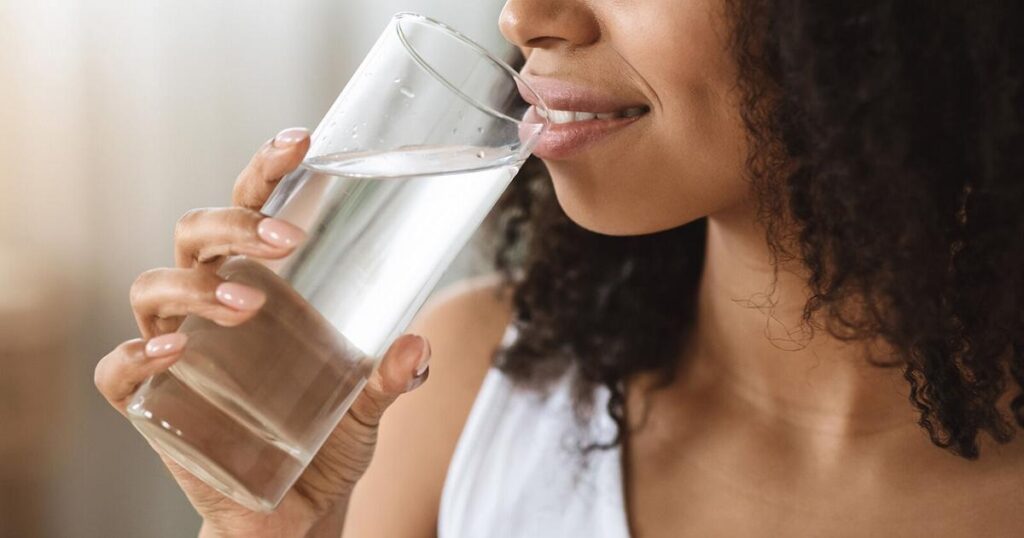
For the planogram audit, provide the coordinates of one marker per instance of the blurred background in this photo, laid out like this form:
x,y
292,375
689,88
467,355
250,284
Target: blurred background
x,y
116,116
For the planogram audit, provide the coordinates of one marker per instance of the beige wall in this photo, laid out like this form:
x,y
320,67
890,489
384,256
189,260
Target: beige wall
x,y
115,117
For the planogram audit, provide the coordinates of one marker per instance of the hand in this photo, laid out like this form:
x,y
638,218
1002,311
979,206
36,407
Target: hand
x,y
161,298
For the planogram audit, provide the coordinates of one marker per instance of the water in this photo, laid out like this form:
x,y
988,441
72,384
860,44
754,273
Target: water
x,y
382,229
247,407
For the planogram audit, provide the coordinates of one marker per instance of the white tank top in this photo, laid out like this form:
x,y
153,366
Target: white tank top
x,y
517,470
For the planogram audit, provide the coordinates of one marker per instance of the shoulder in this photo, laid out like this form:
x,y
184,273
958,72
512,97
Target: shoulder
x,y
464,323
469,315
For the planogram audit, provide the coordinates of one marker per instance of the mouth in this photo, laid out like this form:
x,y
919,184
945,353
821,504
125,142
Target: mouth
x,y
561,117
578,115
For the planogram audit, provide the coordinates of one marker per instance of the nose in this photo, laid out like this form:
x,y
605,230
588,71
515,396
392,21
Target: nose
x,y
548,24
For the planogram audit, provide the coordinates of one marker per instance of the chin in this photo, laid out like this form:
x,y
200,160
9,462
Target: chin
x,y
611,213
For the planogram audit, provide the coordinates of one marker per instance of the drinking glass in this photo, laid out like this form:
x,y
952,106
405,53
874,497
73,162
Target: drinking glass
x,y
413,154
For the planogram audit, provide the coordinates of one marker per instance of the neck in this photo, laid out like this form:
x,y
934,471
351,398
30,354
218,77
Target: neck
x,y
750,339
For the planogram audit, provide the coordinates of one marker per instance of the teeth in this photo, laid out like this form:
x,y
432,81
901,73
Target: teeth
x,y
561,116
569,116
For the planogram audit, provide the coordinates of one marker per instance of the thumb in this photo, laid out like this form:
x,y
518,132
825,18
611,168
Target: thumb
x,y
403,368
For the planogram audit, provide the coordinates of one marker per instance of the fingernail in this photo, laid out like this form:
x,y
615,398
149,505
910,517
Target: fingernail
x,y
166,344
290,137
240,297
424,359
279,233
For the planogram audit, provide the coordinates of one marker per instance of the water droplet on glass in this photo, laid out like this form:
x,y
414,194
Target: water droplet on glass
x,y
398,81
480,130
480,154
455,130
407,92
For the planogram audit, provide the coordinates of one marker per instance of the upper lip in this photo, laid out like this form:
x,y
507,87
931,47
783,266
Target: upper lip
x,y
559,94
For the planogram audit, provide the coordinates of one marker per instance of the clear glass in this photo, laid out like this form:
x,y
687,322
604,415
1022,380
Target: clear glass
x,y
403,168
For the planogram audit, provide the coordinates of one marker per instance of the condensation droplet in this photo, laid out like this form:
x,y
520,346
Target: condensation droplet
x,y
455,130
480,154
480,130
407,92
398,81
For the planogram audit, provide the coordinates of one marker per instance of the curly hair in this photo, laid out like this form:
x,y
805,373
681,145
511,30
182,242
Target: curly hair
x,y
887,145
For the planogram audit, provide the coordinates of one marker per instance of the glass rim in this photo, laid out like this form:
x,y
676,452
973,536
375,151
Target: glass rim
x,y
453,33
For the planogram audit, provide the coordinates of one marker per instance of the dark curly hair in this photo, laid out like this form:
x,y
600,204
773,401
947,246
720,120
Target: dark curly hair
x,y
889,135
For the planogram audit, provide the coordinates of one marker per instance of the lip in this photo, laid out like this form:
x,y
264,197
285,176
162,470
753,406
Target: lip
x,y
564,140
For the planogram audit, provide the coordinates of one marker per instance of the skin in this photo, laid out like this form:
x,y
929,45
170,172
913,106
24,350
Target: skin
x,y
768,431
161,298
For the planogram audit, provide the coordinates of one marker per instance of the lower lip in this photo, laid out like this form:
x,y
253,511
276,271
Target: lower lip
x,y
564,140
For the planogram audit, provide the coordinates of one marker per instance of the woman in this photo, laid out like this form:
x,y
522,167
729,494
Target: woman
x,y
779,294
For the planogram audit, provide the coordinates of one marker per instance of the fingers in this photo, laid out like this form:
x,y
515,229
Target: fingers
x,y
207,236
272,161
119,373
403,368
161,298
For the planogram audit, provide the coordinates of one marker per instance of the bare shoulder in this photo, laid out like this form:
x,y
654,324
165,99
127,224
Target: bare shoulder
x,y
400,493
464,320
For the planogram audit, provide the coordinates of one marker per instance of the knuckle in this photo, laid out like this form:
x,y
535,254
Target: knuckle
x,y
106,369
188,222
142,284
374,409
243,220
99,375
258,167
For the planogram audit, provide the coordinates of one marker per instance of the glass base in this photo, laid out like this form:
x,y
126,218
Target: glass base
x,y
203,468
235,460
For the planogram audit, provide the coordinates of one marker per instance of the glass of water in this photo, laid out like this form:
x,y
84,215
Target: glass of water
x,y
411,157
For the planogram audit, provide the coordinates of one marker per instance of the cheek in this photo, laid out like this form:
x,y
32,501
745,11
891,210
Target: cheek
x,y
686,159
684,162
